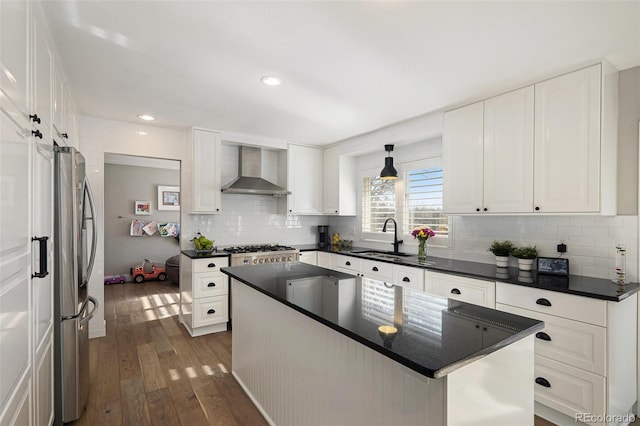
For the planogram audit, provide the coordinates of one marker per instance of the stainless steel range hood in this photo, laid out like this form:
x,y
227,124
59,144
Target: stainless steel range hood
x,y
250,180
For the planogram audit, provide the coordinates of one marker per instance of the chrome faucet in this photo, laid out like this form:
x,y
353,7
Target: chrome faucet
x,y
396,242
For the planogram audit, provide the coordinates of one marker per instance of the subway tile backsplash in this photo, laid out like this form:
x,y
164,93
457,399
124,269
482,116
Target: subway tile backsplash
x,y
251,219
591,240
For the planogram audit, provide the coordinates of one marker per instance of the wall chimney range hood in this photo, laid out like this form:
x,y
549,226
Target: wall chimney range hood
x,y
250,180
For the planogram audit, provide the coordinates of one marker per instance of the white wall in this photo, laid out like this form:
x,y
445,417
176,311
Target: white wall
x,y
97,137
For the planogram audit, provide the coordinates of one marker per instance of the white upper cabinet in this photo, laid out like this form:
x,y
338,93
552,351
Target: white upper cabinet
x,y
340,183
14,48
508,152
462,159
58,103
206,171
304,180
567,143
42,59
547,148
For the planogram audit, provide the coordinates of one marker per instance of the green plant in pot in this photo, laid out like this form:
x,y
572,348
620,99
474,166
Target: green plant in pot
x,y
502,250
526,256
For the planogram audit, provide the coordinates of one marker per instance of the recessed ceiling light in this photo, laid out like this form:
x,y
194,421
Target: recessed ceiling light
x,y
269,80
141,133
146,117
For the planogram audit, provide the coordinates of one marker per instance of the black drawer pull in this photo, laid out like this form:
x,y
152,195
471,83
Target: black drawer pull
x,y
543,382
35,118
211,285
43,257
375,268
542,301
211,311
543,336
406,280
347,263
455,291
211,265
36,133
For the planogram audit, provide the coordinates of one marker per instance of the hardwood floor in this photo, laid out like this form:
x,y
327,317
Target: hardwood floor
x,y
149,371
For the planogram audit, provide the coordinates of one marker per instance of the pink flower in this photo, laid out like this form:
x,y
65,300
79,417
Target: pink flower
x,y
423,233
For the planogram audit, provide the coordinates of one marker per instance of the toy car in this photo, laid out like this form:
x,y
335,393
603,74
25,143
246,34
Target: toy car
x,y
116,279
148,271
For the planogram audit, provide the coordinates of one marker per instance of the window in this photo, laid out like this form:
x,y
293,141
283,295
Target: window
x,y
414,201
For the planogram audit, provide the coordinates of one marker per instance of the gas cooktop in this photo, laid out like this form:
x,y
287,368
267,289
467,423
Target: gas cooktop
x,y
258,248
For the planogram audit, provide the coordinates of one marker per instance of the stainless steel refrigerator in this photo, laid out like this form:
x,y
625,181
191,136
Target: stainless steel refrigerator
x,y
74,253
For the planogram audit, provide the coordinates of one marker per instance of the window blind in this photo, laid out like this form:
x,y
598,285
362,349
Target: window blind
x,y
423,201
378,203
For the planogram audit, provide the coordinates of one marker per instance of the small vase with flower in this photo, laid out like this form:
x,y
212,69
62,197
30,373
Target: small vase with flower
x,y
422,235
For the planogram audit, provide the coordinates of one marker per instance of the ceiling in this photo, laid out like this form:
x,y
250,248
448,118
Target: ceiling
x,y
347,68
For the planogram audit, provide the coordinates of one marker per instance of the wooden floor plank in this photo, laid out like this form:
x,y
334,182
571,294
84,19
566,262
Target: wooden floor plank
x,y
161,408
152,375
135,410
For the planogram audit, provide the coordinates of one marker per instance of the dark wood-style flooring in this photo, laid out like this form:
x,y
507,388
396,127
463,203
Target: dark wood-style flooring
x,y
149,371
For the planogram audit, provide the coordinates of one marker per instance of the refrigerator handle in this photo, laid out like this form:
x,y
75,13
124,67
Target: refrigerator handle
x,y
92,258
93,311
43,272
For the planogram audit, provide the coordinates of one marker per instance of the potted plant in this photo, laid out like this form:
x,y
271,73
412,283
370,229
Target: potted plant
x,y
525,255
502,250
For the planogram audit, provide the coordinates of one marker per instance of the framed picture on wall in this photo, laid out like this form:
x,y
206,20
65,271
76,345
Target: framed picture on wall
x,y
142,207
168,197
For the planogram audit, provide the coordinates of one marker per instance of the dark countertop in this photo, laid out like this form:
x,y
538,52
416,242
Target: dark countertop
x,y
435,336
193,255
596,288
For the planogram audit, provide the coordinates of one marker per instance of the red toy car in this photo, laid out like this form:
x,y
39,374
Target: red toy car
x,y
148,271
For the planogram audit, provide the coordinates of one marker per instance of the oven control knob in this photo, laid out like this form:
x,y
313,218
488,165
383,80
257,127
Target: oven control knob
x,y
284,258
255,261
290,258
272,260
277,259
259,260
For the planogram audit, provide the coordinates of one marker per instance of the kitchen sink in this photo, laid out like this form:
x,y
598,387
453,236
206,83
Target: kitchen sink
x,y
382,254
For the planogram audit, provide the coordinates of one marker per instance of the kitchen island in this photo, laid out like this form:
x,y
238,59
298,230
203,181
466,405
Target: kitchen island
x,y
316,346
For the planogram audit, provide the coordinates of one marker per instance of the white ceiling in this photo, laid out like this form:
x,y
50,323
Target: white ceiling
x,y
347,67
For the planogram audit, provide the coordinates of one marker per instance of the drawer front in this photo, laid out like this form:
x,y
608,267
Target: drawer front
x,y
209,311
592,311
571,342
352,264
377,270
208,285
211,264
324,259
571,390
408,277
309,257
478,292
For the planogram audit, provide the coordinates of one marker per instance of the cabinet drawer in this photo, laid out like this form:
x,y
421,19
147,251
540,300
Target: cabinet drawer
x,y
478,292
353,264
571,342
570,389
207,285
376,270
592,311
406,276
211,310
211,264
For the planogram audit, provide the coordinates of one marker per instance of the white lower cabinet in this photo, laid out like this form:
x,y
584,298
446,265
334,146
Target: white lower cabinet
x,y
324,259
376,270
204,295
470,290
585,363
404,276
310,257
407,276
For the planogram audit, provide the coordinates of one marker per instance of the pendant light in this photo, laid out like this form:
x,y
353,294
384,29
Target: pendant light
x,y
388,172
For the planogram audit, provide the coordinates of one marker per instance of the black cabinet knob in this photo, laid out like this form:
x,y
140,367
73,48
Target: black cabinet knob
x,y
336,211
455,291
36,133
217,210
485,209
543,336
211,311
406,279
290,210
478,209
211,285
211,265
537,208
543,382
64,135
542,301
375,268
35,118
